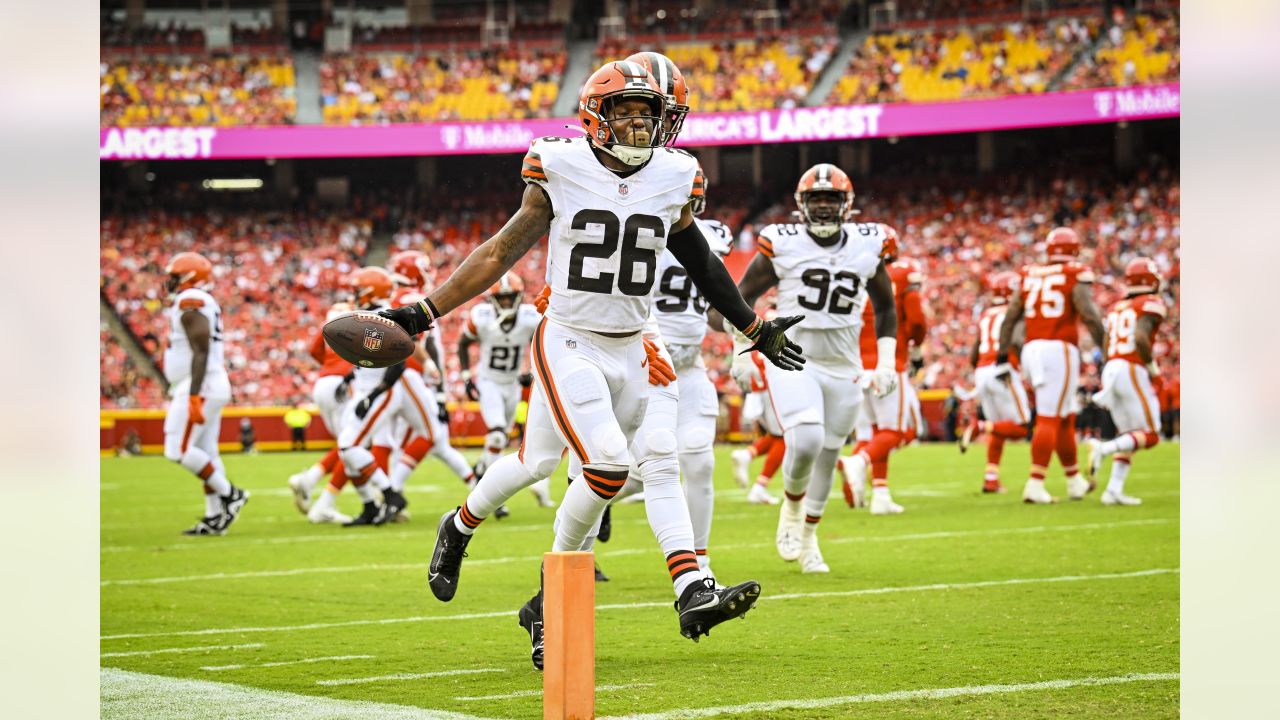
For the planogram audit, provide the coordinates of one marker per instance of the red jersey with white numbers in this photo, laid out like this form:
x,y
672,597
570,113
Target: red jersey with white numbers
x,y
1046,291
330,362
1122,325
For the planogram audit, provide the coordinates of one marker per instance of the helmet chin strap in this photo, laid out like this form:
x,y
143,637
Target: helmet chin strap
x,y
628,154
823,230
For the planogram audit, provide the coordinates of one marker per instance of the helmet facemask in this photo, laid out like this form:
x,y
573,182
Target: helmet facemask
x,y
631,125
823,211
506,304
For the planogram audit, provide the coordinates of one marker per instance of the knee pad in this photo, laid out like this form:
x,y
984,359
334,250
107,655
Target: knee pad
x,y
612,445
195,460
172,454
697,440
1150,439
355,459
661,477
656,443
495,439
541,468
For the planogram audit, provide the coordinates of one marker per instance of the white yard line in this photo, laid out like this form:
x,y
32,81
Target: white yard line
x,y
664,604
282,663
406,676
773,706
129,695
538,693
632,551
166,651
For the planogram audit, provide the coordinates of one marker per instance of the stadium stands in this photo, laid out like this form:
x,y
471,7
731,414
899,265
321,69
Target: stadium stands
x,y
1137,52
199,90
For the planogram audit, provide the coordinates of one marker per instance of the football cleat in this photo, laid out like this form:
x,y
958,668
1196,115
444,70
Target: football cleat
x,y
446,560
211,525
1035,494
1078,486
606,525
811,561
1119,498
854,470
323,515
501,512
787,539
301,498
372,514
703,605
232,504
530,617
993,487
970,432
600,576
394,502
883,504
758,495
741,466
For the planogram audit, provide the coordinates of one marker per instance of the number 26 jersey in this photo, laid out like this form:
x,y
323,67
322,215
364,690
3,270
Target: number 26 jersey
x,y
606,231
827,285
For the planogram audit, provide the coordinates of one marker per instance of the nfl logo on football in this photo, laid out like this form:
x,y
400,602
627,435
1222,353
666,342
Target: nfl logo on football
x,y
372,340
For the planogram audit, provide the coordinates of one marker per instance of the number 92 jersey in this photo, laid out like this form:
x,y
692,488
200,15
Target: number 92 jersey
x,y
826,285
606,231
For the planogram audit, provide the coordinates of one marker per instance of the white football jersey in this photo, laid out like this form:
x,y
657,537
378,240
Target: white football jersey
x,y
680,309
177,355
827,285
606,231
501,347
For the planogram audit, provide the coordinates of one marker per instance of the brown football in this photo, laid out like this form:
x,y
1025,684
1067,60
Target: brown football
x,y
368,340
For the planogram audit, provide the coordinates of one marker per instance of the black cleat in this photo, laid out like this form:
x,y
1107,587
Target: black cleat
x,y
446,559
232,504
394,502
606,525
530,617
212,525
372,514
600,576
501,512
704,605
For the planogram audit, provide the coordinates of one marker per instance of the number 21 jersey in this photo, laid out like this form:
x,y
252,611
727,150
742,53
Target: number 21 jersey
x,y
501,346
606,231
827,285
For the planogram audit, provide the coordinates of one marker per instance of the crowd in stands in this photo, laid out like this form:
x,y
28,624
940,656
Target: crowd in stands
x,y
683,18
174,35
1138,51
963,62
122,384
440,85
206,90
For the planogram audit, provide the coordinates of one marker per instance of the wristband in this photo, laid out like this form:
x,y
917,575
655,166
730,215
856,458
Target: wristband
x,y
887,350
752,331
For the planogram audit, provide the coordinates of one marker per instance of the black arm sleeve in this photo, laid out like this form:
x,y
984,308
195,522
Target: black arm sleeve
x,y
392,375
710,276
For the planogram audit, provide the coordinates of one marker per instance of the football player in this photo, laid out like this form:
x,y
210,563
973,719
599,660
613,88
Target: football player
x,y
756,407
199,387
503,328
1130,379
330,393
826,268
610,202
1052,299
1001,394
893,415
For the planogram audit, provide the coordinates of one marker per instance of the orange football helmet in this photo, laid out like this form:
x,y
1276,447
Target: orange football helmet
x,y
1003,286
506,295
1141,276
698,199
371,285
671,81
824,178
604,89
410,268
1062,244
186,270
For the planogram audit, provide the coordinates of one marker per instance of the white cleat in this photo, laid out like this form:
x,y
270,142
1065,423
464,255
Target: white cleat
x,y
320,516
543,499
1079,486
787,540
741,466
1119,498
301,498
1035,493
758,495
811,562
854,470
1094,463
883,504
632,499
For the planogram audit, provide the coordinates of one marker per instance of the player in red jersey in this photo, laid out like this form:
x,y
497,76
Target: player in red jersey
x,y
1053,297
1130,379
1001,394
893,417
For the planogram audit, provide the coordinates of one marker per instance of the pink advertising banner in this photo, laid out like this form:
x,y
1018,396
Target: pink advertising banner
x,y
843,122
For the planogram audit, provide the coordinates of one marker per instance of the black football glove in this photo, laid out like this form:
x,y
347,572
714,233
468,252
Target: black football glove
x,y
473,392
771,341
526,379
363,405
443,413
413,318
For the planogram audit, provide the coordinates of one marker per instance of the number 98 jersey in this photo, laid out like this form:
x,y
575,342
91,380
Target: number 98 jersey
x,y
826,285
607,232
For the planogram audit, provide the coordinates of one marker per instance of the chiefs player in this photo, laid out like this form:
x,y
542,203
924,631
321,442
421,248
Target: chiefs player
x,y
892,415
1000,391
1052,298
1130,380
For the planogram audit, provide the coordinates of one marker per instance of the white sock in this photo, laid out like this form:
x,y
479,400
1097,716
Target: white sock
x,y
311,476
1124,443
880,491
367,492
454,459
400,472
1119,473
819,489
326,500
809,534
212,504
581,509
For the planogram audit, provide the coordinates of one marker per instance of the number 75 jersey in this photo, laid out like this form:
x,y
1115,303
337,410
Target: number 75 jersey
x,y
827,285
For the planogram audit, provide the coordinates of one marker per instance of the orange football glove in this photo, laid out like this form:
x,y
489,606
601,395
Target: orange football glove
x,y
195,410
660,372
543,299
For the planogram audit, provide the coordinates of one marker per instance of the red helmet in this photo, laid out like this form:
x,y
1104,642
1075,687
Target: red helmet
x,y
1141,276
671,82
824,178
614,83
506,295
371,285
186,270
1062,244
909,269
1003,286
410,268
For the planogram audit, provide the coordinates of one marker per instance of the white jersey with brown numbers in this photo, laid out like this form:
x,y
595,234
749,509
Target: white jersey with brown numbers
x,y
680,309
607,232
502,346
827,285
177,355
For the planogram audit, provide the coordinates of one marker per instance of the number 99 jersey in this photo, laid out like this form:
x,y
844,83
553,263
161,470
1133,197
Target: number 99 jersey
x,y
607,232
827,285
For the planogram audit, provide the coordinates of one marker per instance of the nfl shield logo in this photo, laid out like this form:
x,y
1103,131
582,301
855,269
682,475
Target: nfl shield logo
x,y
372,340
623,189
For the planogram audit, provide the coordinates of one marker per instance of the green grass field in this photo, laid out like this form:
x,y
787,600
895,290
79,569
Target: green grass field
x,y
966,606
